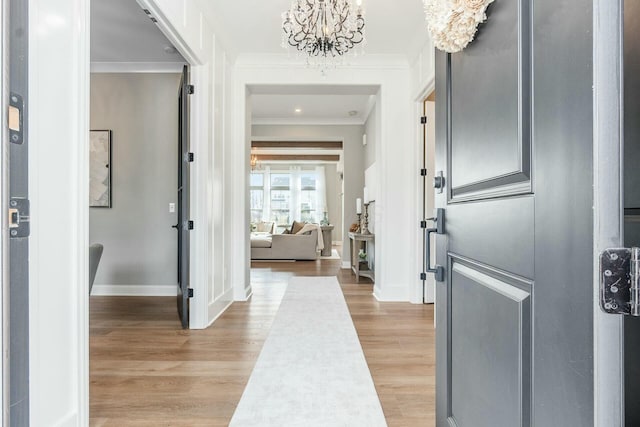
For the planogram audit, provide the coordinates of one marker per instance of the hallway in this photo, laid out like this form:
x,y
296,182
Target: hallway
x,y
146,370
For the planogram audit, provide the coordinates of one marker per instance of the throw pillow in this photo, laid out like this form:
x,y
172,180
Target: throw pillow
x,y
266,227
296,226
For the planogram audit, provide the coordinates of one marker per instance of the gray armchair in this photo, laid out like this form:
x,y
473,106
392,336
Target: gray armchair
x,y
95,253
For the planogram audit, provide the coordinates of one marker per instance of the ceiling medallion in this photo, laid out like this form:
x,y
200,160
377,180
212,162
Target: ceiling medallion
x,y
452,24
323,29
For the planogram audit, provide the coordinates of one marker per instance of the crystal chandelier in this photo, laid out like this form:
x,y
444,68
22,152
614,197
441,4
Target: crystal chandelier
x,y
325,29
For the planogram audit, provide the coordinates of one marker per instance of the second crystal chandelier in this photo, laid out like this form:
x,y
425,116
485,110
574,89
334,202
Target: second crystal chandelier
x,y
323,28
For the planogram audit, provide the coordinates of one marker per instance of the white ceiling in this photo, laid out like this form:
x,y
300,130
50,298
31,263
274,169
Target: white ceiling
x,y
255,26
319,104
320,109
122,32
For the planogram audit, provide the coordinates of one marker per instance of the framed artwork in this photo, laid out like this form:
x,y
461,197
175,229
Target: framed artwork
x,y
100,169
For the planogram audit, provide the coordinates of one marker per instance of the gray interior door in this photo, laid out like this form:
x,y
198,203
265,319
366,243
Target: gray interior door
x,y
18,215
514,142
184,223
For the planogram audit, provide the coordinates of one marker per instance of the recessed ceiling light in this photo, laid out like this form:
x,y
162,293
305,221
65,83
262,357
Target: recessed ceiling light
x,y
353,113
170,49
298,110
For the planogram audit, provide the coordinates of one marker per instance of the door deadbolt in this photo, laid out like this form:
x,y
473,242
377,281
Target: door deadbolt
x,y
438,182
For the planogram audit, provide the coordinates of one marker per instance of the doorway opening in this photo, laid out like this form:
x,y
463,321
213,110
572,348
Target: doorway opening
x,y
312,164
137,124
139,188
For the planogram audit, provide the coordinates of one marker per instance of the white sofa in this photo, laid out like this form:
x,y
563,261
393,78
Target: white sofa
x,y
266,246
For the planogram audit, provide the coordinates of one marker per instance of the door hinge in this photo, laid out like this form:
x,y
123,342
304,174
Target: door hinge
x,y
423,224
189,225
423,120
423,276
191,89
189,157
190,292
620,281
19,218
423,172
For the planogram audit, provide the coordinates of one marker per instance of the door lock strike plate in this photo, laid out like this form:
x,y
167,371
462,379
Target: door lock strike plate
x,y
16,119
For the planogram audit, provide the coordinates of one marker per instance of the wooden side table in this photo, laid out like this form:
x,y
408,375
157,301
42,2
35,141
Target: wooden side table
x,y
359,266
327,238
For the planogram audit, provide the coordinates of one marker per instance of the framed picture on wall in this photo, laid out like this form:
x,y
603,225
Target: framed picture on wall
x,y
100,169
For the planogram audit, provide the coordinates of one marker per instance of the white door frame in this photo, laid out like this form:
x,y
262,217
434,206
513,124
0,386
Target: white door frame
x,y
608,203
396,146
199,249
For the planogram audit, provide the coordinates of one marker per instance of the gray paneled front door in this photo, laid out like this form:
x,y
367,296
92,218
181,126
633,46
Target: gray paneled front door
x,y
514,142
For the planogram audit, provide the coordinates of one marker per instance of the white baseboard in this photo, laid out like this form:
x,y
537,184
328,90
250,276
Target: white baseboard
x,y
391,293
135,290
346,265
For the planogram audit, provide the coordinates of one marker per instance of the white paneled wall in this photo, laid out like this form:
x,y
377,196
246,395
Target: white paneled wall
x,y
423,69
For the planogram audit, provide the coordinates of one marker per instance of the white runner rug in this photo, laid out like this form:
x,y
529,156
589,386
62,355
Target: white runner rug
x,y
311,371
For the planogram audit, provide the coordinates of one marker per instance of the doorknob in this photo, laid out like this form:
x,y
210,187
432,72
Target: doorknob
x,y
437,270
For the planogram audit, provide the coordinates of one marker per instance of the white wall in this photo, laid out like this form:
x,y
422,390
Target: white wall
x,y
371,176
140,247
371,130
353,159
395,270
58,180
423,71
334,201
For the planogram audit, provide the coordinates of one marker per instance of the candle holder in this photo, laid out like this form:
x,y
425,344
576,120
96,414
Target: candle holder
x,y
365,229
359,223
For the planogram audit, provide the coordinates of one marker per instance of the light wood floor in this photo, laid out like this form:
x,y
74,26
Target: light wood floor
x,y
146,371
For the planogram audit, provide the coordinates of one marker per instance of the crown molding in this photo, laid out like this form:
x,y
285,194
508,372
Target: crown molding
x,y
137,67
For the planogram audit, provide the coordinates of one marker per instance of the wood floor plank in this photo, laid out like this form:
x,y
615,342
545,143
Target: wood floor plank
x,y
146,371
